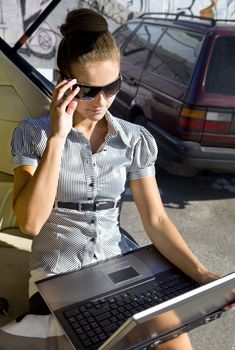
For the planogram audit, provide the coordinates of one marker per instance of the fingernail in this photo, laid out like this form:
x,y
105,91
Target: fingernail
x,y
73,81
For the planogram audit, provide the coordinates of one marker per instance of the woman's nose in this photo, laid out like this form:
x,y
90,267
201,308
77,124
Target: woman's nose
x,y
100,98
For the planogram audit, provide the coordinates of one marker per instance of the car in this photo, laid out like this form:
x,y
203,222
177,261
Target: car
x,y
179,82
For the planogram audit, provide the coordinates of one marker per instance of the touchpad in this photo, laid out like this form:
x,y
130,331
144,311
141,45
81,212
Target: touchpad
x,y
123,275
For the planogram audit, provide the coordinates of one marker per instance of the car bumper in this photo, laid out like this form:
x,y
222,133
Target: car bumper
x,y
173,151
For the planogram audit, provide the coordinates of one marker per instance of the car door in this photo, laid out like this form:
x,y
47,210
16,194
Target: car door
x,y
167,76
217,93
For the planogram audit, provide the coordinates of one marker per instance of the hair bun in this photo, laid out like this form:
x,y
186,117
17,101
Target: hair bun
x,y
83,20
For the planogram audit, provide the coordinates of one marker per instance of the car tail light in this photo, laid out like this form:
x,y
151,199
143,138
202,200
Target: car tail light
x,y
194,122
192,119
218,122
191,123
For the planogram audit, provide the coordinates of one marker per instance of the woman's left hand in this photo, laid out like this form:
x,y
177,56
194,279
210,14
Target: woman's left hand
x,y
210,277
231,304
207,277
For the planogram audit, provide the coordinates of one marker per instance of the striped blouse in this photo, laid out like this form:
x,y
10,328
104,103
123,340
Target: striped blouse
x,y
70,239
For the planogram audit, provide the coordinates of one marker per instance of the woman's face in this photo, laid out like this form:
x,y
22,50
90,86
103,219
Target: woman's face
x,y
94,74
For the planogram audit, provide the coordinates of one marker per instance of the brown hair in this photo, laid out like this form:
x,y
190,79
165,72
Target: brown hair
x,y
86,38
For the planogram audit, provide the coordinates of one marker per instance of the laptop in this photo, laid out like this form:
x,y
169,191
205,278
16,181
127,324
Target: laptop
x,y
133,301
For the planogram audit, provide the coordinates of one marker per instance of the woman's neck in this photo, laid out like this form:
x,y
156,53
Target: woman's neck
x,y
94,131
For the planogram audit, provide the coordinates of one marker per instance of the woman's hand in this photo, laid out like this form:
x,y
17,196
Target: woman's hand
x,y
210,277
231,304
207,277
62,108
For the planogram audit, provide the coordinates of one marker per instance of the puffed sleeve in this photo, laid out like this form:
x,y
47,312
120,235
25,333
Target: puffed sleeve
x,y
145,155
22,145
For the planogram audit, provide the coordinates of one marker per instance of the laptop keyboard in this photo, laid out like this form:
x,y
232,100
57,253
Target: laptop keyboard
x,y
95,321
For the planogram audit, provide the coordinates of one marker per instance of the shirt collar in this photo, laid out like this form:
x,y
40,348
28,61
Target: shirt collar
x,y
116,129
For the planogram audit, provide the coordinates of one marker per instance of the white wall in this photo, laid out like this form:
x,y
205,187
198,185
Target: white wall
x,y
43,45
225,8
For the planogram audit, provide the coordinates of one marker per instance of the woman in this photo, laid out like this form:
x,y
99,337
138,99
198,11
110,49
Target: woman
x,y
71,167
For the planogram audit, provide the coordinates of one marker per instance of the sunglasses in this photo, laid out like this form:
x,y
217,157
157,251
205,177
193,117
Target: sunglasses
x,y
88,92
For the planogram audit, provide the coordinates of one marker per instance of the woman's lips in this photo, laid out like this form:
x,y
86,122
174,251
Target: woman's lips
x,y
96,110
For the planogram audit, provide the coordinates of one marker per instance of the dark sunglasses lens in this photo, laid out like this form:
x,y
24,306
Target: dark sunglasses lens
x,y
113,88
89,92
85,92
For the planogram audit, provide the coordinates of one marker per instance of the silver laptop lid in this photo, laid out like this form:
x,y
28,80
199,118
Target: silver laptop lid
x,y
178,315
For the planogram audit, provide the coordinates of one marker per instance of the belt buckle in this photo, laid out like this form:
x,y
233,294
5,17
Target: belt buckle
x,y
95,206
87,206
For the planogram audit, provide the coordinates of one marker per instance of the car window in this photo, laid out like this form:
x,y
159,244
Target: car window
x,y
175,55
122,33
221,71
140,44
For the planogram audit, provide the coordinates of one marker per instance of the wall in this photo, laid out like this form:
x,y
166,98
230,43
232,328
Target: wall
x,y
17,15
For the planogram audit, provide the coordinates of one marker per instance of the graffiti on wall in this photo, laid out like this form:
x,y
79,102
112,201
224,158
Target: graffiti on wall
x,y
143,6
207,8
43,43
214,8
111,9
207,12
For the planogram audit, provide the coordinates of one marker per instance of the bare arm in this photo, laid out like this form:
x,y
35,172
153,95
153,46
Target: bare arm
x,y
35,188
162,231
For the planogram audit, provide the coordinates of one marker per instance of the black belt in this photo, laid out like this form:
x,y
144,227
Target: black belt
x,y
88,206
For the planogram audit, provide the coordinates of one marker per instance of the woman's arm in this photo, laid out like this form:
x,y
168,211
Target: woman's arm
x,y
35,188
162,231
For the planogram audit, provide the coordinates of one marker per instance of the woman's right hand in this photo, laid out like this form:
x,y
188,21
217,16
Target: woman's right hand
x,y
62,108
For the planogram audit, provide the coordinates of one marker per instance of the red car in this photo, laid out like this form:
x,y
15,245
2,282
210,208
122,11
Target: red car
x,y
179,81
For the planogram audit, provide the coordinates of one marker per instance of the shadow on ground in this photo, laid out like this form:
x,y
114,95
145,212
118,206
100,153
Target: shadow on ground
x,y
178,191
